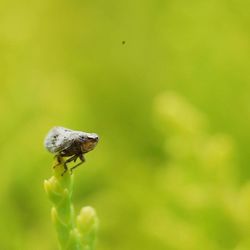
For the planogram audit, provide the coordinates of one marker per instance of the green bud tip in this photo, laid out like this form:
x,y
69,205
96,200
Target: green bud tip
x,y
87,220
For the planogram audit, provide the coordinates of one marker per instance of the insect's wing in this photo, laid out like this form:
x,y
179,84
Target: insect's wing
x,y
58,139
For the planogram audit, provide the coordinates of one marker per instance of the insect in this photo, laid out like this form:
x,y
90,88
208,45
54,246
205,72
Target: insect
x,y
64,142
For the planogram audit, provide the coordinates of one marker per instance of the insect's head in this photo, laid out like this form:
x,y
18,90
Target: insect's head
x,y
89,142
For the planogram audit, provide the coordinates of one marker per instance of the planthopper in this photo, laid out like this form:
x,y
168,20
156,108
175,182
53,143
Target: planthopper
x,y
64,142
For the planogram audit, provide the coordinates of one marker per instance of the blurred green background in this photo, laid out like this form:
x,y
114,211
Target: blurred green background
x,y
171,106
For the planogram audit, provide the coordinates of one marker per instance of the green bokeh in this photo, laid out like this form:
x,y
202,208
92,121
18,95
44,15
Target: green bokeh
x,y
64,63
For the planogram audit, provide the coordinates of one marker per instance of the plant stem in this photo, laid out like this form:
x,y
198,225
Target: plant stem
x,y
71,237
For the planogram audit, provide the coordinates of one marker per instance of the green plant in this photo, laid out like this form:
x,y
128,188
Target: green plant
x,y
73,233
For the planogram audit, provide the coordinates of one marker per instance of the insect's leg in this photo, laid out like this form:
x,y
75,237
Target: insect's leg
x,y
65,169
78,164
59,160
81,156
73,158
67,161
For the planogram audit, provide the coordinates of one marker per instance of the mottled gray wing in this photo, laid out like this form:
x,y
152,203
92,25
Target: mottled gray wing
x,y
59,138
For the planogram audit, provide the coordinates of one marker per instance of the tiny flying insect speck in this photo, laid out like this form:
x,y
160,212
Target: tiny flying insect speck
x,y
64,142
